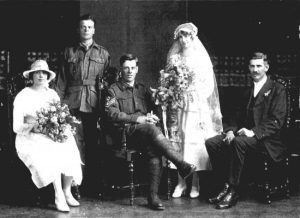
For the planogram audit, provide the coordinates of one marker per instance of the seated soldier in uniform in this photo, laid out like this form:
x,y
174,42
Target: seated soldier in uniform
x,y
130,102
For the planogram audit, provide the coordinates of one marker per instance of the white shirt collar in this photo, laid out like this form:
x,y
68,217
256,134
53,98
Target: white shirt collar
x,y
258,85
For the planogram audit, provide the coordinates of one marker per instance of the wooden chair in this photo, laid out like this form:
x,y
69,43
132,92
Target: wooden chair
x,y
293,138
274,177
115,146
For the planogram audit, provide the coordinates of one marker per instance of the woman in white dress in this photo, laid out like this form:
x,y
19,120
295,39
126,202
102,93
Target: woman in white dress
x,y
48,161
200,117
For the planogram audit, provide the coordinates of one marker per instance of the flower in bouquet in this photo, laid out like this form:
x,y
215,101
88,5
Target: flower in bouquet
x,y
174,80
55,120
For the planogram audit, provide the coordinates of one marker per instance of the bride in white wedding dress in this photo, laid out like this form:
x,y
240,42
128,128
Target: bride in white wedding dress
x,y
200,117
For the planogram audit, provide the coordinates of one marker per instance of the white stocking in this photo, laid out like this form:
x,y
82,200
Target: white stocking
x,y
60,200
67,182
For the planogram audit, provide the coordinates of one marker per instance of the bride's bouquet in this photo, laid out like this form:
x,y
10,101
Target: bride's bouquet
x,y
55,120
174,81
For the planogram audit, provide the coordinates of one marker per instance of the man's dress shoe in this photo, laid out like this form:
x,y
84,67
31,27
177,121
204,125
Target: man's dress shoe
x,y
229,200
220,196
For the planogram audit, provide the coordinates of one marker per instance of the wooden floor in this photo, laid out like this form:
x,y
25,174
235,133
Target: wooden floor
x,y
248,206
15,193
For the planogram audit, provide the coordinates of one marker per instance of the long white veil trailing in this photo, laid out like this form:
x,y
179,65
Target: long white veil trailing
x,y
205,84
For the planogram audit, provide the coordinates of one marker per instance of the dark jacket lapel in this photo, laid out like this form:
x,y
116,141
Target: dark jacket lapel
x,y
264,91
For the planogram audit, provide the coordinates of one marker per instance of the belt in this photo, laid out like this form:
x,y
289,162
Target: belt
x,y
85,82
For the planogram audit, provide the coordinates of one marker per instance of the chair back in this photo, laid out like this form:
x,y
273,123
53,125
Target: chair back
x,y
286,129
287,84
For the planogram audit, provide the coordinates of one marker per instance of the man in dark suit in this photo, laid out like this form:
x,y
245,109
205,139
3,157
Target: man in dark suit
x,y
262,116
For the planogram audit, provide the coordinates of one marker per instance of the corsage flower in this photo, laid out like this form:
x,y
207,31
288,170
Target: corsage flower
x,y
267,93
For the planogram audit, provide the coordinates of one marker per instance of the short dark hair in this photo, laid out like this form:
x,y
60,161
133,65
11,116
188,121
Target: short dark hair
x,y
128,57
30,75
87,17
184,33
259,55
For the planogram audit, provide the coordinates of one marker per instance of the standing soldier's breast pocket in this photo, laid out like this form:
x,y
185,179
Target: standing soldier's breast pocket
x,y
96,66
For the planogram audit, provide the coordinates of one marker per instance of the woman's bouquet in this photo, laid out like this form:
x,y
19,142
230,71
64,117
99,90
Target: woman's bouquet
x,y
173,82
55,120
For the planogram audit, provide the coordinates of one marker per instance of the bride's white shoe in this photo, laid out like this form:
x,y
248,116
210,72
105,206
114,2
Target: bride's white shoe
x,y
179,191
61,205
71,201
195,186
194,192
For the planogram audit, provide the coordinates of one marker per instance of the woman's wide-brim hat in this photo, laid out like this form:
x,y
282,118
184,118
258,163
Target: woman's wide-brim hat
x,y
37,66
186,27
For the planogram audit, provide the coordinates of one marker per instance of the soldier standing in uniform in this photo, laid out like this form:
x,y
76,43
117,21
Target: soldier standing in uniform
x,y
78,85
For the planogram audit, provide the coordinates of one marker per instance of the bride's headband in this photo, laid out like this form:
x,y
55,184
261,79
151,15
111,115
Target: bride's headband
x,y
186,27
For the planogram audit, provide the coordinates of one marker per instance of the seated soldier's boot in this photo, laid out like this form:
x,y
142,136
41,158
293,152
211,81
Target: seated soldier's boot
x,y
155,172
154,202
164,145
185,169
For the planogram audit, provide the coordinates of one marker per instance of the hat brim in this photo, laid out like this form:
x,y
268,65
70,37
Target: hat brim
x,y
186,29
27,72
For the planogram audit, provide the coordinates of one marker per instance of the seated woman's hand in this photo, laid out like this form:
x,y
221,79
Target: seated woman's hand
x,y
30,119
32,123
35,128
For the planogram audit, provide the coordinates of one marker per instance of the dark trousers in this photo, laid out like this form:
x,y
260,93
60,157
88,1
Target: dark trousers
x,y
89,149
148,139
142,137
228,160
